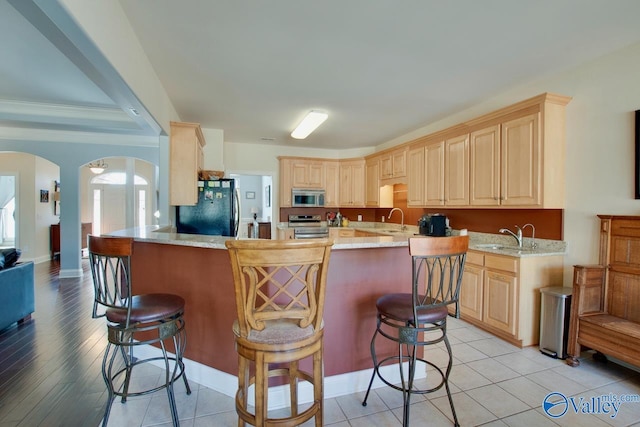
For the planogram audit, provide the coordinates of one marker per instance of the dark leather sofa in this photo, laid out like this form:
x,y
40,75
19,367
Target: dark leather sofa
x,y
17,290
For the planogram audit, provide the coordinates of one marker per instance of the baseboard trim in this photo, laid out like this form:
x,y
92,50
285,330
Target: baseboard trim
x,y
334,386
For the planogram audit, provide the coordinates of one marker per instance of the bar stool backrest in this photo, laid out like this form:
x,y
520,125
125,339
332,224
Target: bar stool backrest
x,y
279,279
110,261
438,264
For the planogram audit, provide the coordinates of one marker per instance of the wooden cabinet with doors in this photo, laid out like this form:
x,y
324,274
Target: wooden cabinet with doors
x,y
441,176
186,160
501,293
517,155
298,172
352,189
393,164
307,174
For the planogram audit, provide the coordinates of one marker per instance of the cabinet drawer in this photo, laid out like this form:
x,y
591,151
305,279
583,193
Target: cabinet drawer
x,y
476,258
504,263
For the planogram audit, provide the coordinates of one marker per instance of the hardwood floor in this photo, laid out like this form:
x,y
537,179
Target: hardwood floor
x,y
50,366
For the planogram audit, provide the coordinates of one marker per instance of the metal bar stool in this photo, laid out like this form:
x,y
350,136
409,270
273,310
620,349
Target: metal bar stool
x,y
280,291
419,319
134,320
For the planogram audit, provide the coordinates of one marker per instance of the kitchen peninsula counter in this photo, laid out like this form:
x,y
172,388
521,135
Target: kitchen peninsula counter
x,y
197,267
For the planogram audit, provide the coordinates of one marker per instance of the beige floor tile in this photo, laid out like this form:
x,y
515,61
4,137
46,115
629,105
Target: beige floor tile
x,y
553,382
351,405
492,370
519,363
424,414
466,334
525,390
212,402
465,353
225,419
497,400
466,378
527,419
493,347
470,412
131,413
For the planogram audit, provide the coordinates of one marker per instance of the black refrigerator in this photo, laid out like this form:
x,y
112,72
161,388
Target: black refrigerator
x,y
217,212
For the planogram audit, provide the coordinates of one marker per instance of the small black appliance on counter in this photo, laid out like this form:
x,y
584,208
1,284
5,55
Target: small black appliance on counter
x,y
433,225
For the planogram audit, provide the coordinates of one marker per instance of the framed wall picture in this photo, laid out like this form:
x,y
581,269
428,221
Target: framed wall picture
x,y
44,196
250,195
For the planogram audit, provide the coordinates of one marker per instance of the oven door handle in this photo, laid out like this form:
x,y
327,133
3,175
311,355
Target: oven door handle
x,y
310,235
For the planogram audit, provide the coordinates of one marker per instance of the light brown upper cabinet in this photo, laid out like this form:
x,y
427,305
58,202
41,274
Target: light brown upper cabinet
x,y
506,163
372,182
352,183
307,174
441,176
186,160
331,184
517,155
393,164
415,176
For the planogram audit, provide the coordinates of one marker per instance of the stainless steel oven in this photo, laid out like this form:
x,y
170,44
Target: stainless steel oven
x,y
308,227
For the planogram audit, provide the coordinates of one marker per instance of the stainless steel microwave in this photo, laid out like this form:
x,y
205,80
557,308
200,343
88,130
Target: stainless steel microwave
x,y
307,198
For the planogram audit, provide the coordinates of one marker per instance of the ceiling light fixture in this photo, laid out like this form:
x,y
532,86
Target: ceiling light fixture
x,y
98,167
309,124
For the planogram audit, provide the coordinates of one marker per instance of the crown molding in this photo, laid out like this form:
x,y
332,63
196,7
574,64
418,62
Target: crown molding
x,y
77,137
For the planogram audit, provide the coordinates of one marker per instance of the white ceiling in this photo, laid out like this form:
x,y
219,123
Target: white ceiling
x,y
380,68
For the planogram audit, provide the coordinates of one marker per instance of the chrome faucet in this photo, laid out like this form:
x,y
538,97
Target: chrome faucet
x,y
402,219
533,234
517,236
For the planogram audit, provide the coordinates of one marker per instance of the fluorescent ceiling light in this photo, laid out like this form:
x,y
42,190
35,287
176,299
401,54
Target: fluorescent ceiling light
x,y
309,124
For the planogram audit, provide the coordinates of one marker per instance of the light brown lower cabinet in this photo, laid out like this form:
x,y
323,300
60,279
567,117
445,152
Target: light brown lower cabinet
x,y
501,294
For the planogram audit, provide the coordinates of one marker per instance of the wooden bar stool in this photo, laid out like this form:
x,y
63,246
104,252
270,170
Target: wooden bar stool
x,y
134,320
280,292
417,319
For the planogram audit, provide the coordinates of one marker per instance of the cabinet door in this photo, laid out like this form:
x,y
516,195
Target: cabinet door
x,y
386,167
521,161
307,174
299,174
358,184
484,167
415,177
500,301
372,183
331,184
472,291
457,171
352,184
186,157
286,183
434,174
399,160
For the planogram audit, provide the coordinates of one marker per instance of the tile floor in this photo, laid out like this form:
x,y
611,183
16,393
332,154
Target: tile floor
x,y
493,384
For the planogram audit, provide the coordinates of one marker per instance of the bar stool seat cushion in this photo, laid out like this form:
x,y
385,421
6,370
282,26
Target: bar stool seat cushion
x,y
282,331
148,308
400,307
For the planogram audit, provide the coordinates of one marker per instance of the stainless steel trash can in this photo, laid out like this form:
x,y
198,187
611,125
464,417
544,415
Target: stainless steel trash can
x,y
554,320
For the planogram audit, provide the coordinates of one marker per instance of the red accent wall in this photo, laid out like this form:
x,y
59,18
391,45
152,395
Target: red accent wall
x,y
549,223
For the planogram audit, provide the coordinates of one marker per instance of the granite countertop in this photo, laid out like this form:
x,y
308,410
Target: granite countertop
x,y
391,235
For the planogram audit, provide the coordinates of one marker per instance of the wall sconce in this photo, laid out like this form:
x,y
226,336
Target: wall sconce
x,y
98,167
